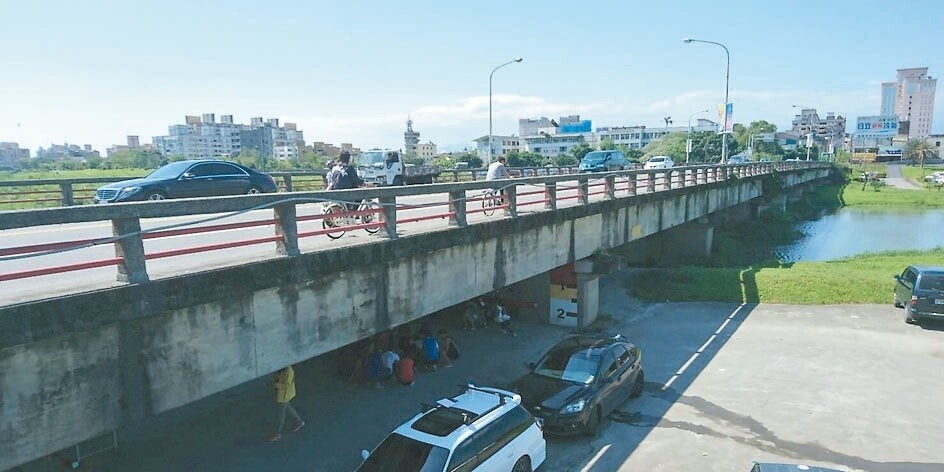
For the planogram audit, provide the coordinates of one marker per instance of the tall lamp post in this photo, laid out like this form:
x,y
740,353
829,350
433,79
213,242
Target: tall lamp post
x,y
688,145
727,81
809,136
489,161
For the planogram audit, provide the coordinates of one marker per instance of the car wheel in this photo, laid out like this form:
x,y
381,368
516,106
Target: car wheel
x,y
156,196
254,190
593,422
638,385
897,302
910,318
523,465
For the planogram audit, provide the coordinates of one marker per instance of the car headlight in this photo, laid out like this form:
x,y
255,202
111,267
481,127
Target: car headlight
x,y
129,190
575,407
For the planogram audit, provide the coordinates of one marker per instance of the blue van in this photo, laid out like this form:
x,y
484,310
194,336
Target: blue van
x,y
603,161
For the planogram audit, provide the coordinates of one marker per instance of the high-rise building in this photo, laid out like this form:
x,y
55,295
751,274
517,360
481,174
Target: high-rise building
x,y
133,144
832,127
202,137
11,153
913,101
410,139
66,151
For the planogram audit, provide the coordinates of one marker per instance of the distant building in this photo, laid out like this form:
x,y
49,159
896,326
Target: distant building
x,y
832,127
913,100
501,145
67,151
637,137
202,137
426,150
11,153
133,144
533,127
936,140
550,145
410,139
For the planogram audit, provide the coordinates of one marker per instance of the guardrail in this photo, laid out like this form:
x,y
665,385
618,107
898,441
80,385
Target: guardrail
x,y
40,193
386,213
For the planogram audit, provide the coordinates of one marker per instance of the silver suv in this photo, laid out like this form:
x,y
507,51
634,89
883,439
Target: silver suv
x,y
484,429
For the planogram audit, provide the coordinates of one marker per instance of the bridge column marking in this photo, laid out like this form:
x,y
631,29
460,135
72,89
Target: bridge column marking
x,y
583,190
286,225
66,189
457,206
610,186
550,195
133,268
389,205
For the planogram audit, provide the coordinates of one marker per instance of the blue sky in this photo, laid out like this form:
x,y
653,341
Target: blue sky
x,y
93,72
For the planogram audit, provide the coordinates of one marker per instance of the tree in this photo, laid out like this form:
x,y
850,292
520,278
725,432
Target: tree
x,y
633,155
672,144
565,160
606,144
919,150
580,150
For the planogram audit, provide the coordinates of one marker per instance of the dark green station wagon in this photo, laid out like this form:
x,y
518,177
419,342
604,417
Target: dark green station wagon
x,y
920,291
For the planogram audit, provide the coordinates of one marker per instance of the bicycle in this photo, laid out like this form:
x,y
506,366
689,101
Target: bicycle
x,y
367,212
491,199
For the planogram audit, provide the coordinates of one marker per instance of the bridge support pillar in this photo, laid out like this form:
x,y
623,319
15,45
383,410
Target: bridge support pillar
x,y
133,269
777,203
588,293
690,243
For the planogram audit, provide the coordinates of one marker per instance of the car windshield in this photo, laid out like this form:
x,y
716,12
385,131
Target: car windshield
x,y
578,365
933,282
657,159
399,453
596,157
170,171
370,158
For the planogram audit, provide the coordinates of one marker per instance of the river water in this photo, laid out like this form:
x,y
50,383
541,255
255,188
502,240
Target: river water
x,y
852,232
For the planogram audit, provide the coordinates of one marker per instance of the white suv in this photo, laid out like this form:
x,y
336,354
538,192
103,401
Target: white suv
x,y
483,429
659,162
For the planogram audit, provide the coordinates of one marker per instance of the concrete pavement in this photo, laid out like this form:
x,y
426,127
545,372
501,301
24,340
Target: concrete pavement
x,y
897,180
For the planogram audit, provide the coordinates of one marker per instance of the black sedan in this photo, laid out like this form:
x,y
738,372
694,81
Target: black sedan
x,y
187,179
580,381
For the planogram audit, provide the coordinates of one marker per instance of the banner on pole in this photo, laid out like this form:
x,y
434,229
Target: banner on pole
x,y
726,118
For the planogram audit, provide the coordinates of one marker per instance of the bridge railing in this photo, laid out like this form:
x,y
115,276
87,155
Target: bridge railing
x,y
44,193
452,204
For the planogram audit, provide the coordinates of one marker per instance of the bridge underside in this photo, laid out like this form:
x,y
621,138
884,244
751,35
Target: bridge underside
x,y
74,367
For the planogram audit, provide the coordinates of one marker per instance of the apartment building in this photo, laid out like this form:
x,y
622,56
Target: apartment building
x,y
11,153
202,137
913,99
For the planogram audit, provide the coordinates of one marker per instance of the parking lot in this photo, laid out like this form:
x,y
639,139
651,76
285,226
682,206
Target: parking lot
x,y
851,387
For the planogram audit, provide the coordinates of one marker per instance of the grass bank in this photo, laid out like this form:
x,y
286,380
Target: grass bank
x,y
862,279
887,198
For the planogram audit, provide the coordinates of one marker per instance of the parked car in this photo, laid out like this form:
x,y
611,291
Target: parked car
x,y
738,159
771,467
186,179
659,162
603,161
920,291
484,429
580,381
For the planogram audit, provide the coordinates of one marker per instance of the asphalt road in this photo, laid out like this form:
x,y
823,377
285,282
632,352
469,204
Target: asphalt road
x,y
34,288
851,387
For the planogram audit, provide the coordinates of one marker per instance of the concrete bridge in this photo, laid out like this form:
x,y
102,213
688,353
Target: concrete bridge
x,y
73,367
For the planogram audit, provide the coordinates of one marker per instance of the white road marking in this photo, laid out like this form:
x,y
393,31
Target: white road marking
x,y
703,347
595,458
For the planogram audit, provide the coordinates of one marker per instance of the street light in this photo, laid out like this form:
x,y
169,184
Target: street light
x,y
809,136
489,161
727,81
688,145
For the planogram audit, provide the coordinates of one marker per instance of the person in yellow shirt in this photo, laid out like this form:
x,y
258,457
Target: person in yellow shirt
x,y
284,382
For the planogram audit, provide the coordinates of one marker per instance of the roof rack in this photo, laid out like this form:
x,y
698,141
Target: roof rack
x,y
501,401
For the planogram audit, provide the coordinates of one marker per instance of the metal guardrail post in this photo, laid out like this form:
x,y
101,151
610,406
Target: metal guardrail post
x,y
66,189
550,194
133,268
389,205
287,181
651,182
286,226
631,185
511,198
457,205
610,187
583,190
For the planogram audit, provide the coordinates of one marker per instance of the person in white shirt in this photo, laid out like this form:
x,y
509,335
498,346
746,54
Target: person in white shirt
x,y
497,170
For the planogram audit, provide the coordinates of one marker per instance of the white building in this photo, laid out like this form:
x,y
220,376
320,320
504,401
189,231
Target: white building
x,y
550,145
426,150
913,100
501,145
202,137
637,137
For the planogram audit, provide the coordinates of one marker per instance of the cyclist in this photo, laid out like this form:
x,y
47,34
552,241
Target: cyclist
x,y
497,170
344,176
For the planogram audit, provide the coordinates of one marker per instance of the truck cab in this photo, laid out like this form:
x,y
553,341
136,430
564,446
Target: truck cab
x,y
385,167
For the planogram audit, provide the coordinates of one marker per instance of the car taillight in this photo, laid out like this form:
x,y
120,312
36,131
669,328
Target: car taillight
x,y
914,300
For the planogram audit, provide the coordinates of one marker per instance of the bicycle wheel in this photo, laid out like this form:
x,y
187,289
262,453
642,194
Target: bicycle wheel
x,y
333,219
376,208
488,204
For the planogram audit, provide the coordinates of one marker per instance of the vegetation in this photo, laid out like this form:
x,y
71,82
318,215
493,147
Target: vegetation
x,y
706,147
859,196
861,279
919,150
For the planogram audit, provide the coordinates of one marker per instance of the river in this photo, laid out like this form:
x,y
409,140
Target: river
x,y
851,232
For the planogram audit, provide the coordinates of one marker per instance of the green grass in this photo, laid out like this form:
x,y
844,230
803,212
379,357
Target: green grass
x,y
862,279
70,174
854,196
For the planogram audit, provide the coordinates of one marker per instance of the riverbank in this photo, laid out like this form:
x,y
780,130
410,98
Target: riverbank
x,y
861,279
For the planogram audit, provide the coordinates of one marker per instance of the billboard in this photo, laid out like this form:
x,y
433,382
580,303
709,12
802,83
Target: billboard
x,y
726,118
582,126
877,126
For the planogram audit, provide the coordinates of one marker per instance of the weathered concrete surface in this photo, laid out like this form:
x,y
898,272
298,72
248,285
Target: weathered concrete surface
x,y
144,349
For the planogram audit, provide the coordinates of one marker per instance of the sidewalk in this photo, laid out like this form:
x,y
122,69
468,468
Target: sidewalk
x,y
226,432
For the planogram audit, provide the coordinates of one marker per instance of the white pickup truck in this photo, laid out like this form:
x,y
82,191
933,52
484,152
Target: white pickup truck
x,y
384,167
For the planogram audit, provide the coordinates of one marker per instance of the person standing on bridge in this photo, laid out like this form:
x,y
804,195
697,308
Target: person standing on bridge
x,y
284,382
